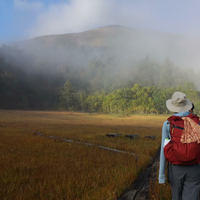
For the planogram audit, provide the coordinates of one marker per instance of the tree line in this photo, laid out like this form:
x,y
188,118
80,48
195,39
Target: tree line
x,y
136,100
105,85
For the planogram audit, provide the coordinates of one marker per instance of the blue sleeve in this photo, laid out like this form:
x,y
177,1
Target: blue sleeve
x,y
165,134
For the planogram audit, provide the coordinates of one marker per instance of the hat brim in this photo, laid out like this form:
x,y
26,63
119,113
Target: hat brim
x,y
173,108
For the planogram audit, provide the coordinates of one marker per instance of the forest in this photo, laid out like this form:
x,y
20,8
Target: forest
x,y
104,85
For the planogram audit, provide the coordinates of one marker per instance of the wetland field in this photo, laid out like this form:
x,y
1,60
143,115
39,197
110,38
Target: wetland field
x,y
33,166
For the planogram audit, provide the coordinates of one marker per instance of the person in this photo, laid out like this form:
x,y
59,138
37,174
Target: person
x,y
184,179
192,109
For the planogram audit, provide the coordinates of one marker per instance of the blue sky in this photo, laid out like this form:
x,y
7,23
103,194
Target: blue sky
x,y
24,19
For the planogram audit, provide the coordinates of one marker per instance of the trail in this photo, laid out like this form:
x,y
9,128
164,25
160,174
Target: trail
x,y
139,190
85,143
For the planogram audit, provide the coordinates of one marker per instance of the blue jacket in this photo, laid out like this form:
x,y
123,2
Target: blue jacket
x,y
166,134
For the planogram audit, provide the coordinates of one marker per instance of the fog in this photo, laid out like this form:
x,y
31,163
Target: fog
x,y
113,35
94,48
156,30
117,42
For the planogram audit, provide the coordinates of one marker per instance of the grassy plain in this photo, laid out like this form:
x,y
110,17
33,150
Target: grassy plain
x,y
36,167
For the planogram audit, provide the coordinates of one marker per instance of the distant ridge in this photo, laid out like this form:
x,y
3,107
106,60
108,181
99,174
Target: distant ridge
x,y
108,27
94,37
120,42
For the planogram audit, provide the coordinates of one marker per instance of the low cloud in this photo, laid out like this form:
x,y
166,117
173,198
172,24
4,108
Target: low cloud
x,y
81,15
77,16
65,16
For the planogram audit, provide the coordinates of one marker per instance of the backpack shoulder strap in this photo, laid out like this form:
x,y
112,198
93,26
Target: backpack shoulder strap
x,y
174,118
175,122
194,118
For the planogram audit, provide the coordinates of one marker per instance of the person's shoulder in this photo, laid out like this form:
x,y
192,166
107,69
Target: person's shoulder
x,y
166,123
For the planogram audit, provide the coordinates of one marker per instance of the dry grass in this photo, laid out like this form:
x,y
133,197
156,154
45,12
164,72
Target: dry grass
x,y
35,167
160,192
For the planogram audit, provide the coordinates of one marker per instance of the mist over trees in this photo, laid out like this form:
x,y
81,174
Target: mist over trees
x,y
94,77
143,88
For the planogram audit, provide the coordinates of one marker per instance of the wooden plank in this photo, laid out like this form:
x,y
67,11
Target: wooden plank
x,y
132,136
113,134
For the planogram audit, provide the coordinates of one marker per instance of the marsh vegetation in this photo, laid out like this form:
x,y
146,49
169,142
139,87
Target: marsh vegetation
x,y
37,167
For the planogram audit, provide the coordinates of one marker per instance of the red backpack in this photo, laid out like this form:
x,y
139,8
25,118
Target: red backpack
x,y
176,152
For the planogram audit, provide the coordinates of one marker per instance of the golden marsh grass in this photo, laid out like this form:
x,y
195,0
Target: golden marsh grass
x,y
36,167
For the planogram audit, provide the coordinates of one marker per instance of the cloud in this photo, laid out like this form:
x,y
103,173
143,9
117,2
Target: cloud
x,y
74,17
68,16
81,15
25,5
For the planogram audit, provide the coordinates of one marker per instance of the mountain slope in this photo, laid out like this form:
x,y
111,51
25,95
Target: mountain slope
x,y
119,42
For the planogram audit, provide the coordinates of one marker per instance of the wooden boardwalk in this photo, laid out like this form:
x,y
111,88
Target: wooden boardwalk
x,y
140,188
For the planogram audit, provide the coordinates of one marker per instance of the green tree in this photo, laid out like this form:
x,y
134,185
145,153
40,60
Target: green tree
x,y
166,75
67,93
159,98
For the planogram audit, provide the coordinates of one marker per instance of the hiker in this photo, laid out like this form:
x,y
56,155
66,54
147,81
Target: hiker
x,y
184,178
192,109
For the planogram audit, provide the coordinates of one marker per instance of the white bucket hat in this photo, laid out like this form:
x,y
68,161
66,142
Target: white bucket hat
x,y
178,103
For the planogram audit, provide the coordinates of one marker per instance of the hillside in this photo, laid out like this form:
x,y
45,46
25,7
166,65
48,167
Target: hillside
x,y
118,42
34,72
